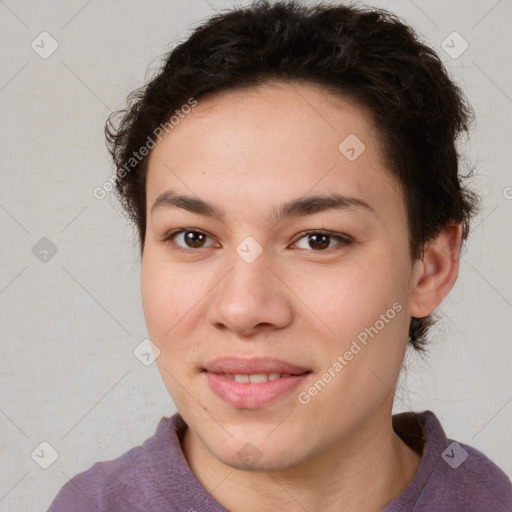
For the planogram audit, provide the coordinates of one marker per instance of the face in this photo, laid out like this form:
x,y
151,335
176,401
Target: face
x,y
277,290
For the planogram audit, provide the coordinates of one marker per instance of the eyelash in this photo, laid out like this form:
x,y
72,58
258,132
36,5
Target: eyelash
x,y
343,240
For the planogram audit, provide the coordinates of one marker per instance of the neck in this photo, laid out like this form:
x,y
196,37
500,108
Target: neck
x,y
364,472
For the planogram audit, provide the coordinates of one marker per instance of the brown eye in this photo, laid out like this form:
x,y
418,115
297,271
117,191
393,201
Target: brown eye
x,y
194,239
320,241
188,239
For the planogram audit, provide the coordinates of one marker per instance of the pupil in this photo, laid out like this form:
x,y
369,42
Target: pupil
x,y
195,240
323,243
190,239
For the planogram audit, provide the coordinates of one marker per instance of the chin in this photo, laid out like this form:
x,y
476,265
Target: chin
x,y
257,453
257,462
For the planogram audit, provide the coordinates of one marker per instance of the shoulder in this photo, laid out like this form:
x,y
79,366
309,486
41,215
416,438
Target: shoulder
x,y
125,483
101,484
477,481
452,475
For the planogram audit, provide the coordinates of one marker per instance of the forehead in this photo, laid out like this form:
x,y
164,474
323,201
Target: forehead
x,y
265,144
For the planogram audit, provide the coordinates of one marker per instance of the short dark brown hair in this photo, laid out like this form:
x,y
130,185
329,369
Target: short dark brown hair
x,y
367,55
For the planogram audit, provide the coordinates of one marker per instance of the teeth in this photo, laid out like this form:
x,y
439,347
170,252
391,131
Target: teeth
x,y
256,378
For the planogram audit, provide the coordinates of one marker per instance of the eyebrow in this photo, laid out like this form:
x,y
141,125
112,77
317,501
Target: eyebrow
x,y
307,205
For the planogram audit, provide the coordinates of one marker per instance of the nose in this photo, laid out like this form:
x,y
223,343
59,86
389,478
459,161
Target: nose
x,y
250,299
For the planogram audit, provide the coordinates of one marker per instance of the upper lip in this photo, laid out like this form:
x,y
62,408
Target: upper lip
x,y
253,365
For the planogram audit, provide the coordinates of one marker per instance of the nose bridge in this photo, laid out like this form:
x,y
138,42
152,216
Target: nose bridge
x,y
249,250
249,294
250,271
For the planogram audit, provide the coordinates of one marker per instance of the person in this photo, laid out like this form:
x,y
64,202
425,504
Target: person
x,y
293,175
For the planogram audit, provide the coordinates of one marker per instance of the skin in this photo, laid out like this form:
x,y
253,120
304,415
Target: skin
x,y
248,151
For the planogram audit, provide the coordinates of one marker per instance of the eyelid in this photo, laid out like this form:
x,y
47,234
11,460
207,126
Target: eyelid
x,y
168,238
342,238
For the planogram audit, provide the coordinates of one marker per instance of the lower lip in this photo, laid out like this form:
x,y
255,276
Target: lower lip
x,y
246,395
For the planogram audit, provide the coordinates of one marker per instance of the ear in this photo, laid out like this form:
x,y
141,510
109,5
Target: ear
x,y
435,274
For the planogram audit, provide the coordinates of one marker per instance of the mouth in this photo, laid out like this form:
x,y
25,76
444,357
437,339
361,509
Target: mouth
x,y
230,365
256,378
253,383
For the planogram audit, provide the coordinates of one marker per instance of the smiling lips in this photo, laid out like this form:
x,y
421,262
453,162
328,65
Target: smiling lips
x,y
252,383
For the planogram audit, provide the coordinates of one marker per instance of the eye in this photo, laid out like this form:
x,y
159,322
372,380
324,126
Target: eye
x,y
187,239
319,241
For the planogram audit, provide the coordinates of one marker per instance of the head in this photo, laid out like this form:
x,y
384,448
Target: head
x,y
282,124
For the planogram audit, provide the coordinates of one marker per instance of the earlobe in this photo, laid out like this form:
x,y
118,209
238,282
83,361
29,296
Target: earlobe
x,y
435,274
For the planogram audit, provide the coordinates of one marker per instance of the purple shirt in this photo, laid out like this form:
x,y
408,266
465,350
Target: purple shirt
x,y
452,477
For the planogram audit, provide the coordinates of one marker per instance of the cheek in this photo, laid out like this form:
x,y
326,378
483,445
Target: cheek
x,y
168,291
167,297
351,298
364,308
165,294
173,300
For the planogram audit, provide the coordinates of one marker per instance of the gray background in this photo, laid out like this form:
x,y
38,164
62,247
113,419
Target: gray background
x,y
70,321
